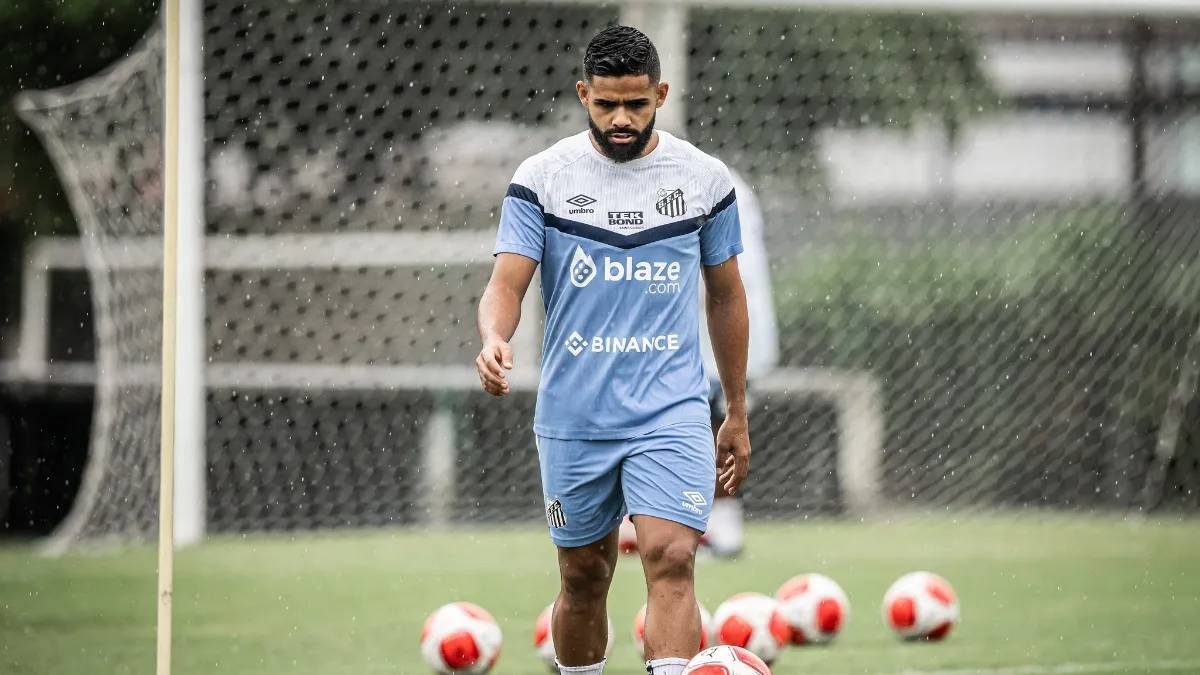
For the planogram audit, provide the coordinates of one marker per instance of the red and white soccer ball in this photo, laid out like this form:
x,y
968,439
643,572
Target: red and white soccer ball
x,y
461,637
814,606
752,621
920,606
627,536
639,629
543,639
726,660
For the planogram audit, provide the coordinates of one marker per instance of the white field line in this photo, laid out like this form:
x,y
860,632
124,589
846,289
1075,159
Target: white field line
x,y
1067,669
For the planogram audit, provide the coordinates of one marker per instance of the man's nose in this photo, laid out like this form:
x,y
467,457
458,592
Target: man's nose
x,y
621,118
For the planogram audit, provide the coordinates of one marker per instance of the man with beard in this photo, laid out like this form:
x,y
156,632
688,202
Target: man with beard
x,y
624,220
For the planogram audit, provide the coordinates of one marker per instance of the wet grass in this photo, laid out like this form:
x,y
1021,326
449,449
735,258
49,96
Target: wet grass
x,y
1039,595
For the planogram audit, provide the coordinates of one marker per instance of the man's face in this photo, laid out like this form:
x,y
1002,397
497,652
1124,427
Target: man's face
x,y
621,112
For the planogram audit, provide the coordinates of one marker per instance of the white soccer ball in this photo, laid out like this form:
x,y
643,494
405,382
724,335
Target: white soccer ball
x,y
461,638
726,660
752,621
920,606
639,630
543,638
627,536
815,607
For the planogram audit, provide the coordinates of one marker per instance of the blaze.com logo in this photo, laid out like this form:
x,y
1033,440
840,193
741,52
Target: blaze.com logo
x,y
660,278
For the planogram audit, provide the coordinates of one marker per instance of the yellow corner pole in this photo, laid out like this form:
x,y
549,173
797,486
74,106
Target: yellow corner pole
x,y
166,497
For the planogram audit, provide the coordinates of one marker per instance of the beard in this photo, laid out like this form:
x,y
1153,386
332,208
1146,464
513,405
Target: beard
x,y
618,152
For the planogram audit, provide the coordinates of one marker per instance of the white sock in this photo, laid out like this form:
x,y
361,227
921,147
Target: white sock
x,y
671,666
725,524
594,669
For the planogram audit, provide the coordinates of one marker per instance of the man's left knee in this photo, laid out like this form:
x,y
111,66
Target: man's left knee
x,y
672,558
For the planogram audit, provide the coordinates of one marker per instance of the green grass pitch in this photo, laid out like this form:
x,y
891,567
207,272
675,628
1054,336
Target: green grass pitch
x,y
1043,594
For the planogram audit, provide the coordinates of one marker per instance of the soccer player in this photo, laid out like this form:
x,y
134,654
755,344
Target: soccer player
x,y
624,220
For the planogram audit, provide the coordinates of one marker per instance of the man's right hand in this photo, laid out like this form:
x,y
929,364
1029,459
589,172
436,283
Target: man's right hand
x,y
493,363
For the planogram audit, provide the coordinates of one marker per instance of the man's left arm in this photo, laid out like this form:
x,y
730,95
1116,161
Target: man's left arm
x,y
729,329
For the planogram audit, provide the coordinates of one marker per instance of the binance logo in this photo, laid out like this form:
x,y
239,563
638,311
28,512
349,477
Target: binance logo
x,y
575,343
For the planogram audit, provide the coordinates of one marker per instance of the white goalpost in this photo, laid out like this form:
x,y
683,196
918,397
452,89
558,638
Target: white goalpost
x,y
166,494
166,489
182,458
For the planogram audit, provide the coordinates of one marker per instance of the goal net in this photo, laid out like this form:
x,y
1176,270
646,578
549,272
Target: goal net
x,y
980,230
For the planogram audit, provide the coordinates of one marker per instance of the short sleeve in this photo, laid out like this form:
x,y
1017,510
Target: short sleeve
x,y
522,221
721,233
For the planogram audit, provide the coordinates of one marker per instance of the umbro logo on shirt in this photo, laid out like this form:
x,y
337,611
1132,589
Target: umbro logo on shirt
x,y
581,201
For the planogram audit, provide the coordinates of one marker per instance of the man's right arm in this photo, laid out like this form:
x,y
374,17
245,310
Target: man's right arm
x,y
499,314
520,240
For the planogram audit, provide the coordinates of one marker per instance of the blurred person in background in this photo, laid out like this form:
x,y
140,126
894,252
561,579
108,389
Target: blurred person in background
x,y
724,538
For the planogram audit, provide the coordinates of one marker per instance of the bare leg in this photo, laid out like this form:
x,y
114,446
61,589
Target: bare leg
x,y
580,621
668,551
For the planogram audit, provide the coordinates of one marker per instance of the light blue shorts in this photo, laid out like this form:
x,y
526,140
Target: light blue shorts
x,y
589,486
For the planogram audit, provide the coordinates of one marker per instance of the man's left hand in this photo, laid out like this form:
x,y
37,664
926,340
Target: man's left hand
x,y
733,453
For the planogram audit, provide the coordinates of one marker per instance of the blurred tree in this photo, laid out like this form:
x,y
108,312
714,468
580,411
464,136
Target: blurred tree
x,y
1063,332
770,79
45,44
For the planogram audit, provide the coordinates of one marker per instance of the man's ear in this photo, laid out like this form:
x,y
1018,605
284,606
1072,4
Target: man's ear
x,y
661,90
581,90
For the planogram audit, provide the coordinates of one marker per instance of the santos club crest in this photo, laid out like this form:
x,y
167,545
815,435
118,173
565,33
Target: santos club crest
x,y
670,202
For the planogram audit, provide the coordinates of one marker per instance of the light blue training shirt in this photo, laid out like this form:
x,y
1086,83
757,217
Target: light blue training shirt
x,y
620,247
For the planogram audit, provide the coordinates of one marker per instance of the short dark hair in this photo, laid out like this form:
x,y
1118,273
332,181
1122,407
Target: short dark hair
x,y
618,51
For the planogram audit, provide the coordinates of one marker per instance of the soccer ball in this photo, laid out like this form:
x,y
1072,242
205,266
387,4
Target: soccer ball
x,y
920,606
639,629
814,606
627,536
726,660
461,638
543,639
752,621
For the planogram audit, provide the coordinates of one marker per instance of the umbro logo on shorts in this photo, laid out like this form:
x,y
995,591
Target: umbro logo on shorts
x,y
694,501
554,513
